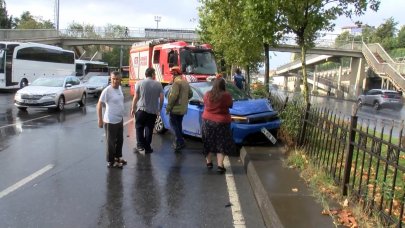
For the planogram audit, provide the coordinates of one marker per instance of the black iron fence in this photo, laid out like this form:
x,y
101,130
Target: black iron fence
x,y
365,157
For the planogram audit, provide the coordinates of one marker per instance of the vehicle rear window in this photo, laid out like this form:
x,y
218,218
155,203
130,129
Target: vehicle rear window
x,y
391,95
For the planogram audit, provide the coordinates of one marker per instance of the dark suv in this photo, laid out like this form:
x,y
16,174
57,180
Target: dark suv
x,y
380,98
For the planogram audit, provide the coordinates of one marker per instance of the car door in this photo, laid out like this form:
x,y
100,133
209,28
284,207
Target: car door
x,y
192,121
369,97
77,89
69,90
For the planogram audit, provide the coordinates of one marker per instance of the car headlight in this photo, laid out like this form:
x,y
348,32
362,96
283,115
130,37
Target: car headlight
x,y
17,96
100,87
239,119
51,95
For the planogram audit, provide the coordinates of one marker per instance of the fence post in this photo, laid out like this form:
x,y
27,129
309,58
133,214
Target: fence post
x,y
285,103
350,148
304,125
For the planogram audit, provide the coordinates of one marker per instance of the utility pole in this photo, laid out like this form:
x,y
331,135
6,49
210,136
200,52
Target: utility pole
x,y
157,19
57,14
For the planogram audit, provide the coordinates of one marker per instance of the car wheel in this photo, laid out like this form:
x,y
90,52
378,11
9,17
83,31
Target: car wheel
x,y
22,108
377,105
159,126
61,103
82,101
23,83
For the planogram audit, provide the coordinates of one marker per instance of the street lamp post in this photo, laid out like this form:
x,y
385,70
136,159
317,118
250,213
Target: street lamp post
x,y
157,19
57,14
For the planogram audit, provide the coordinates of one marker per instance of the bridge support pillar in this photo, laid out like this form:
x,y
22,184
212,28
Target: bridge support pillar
x,y
285,83
339,81
315,79
358,71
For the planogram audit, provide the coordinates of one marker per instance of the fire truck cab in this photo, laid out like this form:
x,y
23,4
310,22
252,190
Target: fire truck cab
x,y
197,63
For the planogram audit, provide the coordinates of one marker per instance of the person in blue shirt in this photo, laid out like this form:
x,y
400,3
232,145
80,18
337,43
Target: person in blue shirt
x,y
239,79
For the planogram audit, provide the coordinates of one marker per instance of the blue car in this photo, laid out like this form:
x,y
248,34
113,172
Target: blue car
x,y
249,115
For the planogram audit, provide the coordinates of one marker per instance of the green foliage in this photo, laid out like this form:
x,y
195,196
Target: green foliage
x,y
400,52
113,57
227,26
291,116
259,92
28,21
401,38
6,22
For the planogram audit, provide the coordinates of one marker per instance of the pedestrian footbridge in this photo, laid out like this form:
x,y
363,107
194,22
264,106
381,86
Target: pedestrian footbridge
x,y
351,81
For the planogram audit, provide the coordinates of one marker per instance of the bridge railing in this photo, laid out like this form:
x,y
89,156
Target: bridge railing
x,y
27,34
383,68
376,48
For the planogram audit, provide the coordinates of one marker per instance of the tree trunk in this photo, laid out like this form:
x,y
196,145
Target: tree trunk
x,y
248,79
266,65
304,73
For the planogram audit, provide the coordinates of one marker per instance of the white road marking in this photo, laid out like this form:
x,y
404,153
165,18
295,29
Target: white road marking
x,y
238,218
24,121
25,181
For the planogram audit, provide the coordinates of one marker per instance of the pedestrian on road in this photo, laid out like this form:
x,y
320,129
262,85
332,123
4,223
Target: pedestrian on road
x,y
216,125
146,106
113,100
177,104
239,79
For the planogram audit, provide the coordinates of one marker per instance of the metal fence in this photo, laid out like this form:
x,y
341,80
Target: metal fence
x,y
364,157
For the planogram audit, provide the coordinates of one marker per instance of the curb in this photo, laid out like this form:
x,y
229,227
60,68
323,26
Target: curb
x,y
269,214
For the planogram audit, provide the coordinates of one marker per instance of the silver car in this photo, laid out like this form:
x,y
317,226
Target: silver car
x,y
96,84
51,92
380,98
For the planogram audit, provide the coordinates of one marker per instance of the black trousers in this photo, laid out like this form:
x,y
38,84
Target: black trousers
x,y
114,134
144,123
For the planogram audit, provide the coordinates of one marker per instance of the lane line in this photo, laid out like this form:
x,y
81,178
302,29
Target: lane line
x,y
25,121
24,181
238,218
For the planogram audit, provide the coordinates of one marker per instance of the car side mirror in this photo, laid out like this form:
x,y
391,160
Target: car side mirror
x,y
196,102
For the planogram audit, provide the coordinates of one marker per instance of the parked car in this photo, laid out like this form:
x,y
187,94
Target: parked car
x,y
381,98
51,92
95,84
249,115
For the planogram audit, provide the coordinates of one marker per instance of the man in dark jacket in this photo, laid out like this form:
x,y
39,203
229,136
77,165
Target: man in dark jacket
x,y
177,104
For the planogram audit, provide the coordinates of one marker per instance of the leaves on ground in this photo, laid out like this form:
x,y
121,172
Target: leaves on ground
x,y
344,217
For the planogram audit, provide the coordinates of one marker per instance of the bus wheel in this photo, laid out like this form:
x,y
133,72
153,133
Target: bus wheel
x,y
23,83
61,103
82,101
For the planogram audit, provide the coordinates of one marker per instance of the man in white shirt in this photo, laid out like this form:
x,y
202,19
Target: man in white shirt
x,y
113,99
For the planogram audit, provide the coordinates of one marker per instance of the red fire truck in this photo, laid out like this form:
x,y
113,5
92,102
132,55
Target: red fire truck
x,y
197,63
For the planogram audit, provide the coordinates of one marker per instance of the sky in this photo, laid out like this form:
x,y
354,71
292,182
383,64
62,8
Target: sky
x,y
174,14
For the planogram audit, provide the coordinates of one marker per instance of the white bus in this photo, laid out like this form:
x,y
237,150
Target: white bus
x,y
22,63
86,68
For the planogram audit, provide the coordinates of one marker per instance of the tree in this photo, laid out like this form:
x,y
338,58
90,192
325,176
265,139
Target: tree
x,y
114,31
223,25
28,21
113,57
264,24
401,37
306,19
385,34
6,22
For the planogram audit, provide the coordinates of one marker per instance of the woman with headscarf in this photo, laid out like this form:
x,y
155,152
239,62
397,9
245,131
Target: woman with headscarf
x,y
216,126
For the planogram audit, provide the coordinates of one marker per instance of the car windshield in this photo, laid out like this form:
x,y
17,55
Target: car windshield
x,y
198,62
98,79
51,82
235,92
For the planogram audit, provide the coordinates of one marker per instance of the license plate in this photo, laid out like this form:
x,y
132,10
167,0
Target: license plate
x,y
30,101
269,135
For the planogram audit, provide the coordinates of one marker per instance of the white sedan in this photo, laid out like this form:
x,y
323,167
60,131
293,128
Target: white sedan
x,y
51,92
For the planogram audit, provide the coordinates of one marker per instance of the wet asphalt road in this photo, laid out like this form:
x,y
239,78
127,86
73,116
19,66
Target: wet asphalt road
x,y
76,189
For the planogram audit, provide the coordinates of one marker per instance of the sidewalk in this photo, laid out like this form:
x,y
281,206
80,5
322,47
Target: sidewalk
x,y
282,195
